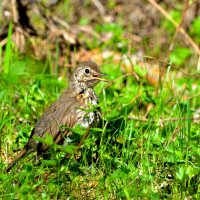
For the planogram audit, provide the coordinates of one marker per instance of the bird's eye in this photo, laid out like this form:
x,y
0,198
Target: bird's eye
x,y
87,71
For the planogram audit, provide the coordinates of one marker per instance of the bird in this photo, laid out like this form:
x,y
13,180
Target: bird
x,y
69,110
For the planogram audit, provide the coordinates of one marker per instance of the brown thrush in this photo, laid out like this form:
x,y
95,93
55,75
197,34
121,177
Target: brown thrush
x,y
69,110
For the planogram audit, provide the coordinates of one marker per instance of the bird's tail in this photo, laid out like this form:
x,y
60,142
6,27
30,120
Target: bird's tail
x,y
20,155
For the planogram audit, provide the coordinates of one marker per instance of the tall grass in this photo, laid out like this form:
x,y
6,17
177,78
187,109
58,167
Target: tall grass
x,y
130,155
123,159
8,51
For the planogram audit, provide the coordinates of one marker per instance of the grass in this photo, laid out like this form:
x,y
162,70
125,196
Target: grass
x,y
147,146
126,158
8,50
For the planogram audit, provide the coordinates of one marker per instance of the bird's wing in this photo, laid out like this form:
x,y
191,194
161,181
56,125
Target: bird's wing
x,y
60,113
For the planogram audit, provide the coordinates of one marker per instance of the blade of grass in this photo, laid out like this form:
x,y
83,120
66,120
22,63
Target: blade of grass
x,y
188,121
8,50
0,55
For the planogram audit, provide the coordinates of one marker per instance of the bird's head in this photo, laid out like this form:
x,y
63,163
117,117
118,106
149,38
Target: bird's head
x,y
86,75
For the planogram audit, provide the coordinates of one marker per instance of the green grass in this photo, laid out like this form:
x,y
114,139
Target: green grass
x,y
8,52
126,158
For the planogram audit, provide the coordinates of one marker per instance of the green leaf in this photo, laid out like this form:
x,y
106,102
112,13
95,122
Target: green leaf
x,y
140,71
65,148
176,15
84,21
39,139
179,55
196,26
47,140
68,149
79,130
49,162
180,175
96,130
113,115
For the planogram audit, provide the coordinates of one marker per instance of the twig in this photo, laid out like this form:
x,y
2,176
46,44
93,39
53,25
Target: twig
x,y
182,31
198,65
3,42
193,96
179,26
87,29
123,76
62,22
165,120
176,68
99,6
14,11
161,61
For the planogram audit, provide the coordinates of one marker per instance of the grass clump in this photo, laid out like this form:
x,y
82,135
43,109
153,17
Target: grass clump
x,y
129,156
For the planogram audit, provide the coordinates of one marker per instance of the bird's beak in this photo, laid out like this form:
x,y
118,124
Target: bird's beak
x,y
98,75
